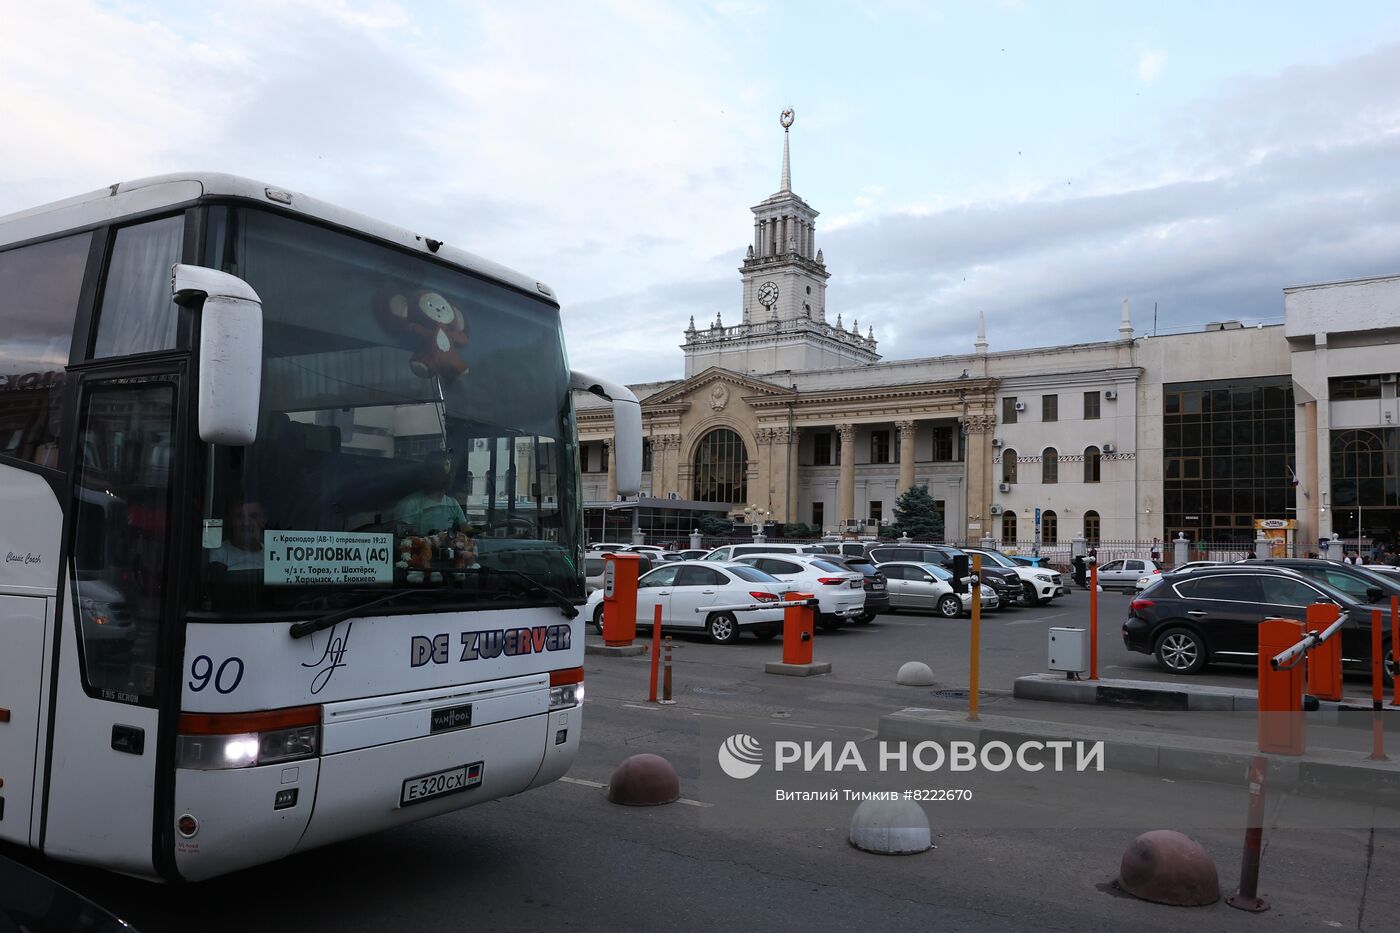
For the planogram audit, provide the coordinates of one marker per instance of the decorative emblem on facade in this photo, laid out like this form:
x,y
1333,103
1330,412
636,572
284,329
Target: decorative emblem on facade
x,y
980,424
719,396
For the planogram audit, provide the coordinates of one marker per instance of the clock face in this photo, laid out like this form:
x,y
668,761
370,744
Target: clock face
x,y
767,294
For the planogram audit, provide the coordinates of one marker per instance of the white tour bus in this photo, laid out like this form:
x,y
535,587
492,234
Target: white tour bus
x,y
290,526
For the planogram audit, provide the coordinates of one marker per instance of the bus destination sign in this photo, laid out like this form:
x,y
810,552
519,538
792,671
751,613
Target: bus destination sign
x,y
312,557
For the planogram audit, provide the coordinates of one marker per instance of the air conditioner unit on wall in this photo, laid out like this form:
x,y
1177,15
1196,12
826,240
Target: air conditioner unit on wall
x,y
1111,394
1020,406
1108,448
1004,487
1387,377
995,510
673,495
996,442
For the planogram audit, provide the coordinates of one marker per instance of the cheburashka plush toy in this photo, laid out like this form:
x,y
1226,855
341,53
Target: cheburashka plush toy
x,y
438,327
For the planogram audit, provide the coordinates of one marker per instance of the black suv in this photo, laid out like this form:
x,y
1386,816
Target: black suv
x,y
877,592
1005,582
1193,617
1361,584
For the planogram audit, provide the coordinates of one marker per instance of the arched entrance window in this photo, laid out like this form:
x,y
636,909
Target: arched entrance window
x,y
721,468
1008,527
1008,467
1091,527
1092,458
1049,527
1050,466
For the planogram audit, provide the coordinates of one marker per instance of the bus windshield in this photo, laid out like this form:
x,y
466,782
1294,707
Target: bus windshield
x,y
416,432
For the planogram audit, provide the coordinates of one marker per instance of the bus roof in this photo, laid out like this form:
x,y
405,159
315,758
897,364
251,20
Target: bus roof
x,y
149,194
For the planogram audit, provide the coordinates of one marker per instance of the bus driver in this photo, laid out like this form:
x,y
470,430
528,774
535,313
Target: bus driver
x,y
431,509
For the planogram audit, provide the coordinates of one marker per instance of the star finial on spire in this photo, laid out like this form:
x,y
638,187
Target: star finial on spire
x,y
786,120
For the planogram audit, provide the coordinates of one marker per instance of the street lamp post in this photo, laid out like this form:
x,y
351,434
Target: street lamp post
x,y
758,518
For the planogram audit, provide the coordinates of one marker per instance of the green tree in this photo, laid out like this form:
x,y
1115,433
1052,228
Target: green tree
x,y
797,530
916,516
716,526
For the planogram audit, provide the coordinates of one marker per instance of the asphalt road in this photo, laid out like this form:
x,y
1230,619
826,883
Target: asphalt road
x,y
1029,853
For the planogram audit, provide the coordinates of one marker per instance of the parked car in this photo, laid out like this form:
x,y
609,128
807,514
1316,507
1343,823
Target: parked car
x,y
1191,618
1147,580
877,594
605,547
650,550
1004,580
1361,583
687,554
593,574
1041,584
1124,574
734,551
683,591
1030,560
840,592
927,586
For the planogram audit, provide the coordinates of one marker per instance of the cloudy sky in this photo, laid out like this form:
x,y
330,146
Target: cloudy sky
x,y
1038,161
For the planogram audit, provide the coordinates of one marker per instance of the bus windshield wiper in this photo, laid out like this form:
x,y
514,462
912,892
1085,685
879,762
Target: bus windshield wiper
x,y
306,627
565,604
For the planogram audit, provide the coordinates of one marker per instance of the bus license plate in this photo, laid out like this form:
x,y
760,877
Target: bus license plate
x,y
440,783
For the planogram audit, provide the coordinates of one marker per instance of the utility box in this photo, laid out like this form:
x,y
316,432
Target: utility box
x,y
1069,650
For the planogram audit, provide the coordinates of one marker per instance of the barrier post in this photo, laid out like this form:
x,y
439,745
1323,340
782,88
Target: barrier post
x,y
1377,688
1094,621
666,676
975,651
797,630
1325,660
1280,692
620,572
655,650
1247,897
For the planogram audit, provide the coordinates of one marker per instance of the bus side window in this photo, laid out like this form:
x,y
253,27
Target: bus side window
x,y
138,314
39,286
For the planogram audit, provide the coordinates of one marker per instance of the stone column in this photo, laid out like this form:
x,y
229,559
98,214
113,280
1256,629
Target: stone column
x,y
906,456
667,447
793,449
847,489
978,437
612,471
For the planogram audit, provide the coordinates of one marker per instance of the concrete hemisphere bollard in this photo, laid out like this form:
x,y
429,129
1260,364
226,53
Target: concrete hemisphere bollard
x,y
644,780
914,674
891,827
1168,867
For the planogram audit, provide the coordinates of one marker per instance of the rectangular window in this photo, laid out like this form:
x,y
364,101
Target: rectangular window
x,y
1091,406
1356,387
1049,408
39,287
603,451
138,314
879,446
942,444
821,449
877,513
1008,410
119,535
819,515
646,456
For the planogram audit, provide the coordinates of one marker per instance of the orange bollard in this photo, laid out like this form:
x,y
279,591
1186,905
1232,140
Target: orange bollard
x,y
1094,621
1280,692
1377,689
620,598
1325,661
1395,650
798,625
655,650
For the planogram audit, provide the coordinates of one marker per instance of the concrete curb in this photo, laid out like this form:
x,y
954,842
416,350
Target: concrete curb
x,y
617,651
1148,694
797,670
1221,761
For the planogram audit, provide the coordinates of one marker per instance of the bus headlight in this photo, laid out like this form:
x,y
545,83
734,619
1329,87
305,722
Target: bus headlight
x,y
565,688
245,740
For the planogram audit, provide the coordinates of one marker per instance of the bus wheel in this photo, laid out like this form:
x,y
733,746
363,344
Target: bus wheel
x,y
723,628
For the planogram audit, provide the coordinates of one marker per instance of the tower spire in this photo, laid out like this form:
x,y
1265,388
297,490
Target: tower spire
x,y
981,345
1125,326
786,120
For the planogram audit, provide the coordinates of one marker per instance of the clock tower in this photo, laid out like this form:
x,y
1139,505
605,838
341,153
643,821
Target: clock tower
x,y
784,325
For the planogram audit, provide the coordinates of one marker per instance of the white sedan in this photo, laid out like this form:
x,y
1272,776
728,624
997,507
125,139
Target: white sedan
x,y
1145,581
840,591
684,589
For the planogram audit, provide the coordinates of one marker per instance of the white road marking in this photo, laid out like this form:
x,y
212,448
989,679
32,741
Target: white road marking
x,y
641,706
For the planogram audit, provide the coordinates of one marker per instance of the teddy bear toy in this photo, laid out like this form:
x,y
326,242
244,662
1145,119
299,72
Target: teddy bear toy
x,y
438,328
415,557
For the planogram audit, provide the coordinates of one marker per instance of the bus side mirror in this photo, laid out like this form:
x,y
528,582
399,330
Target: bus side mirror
x,y
230,352
627,429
